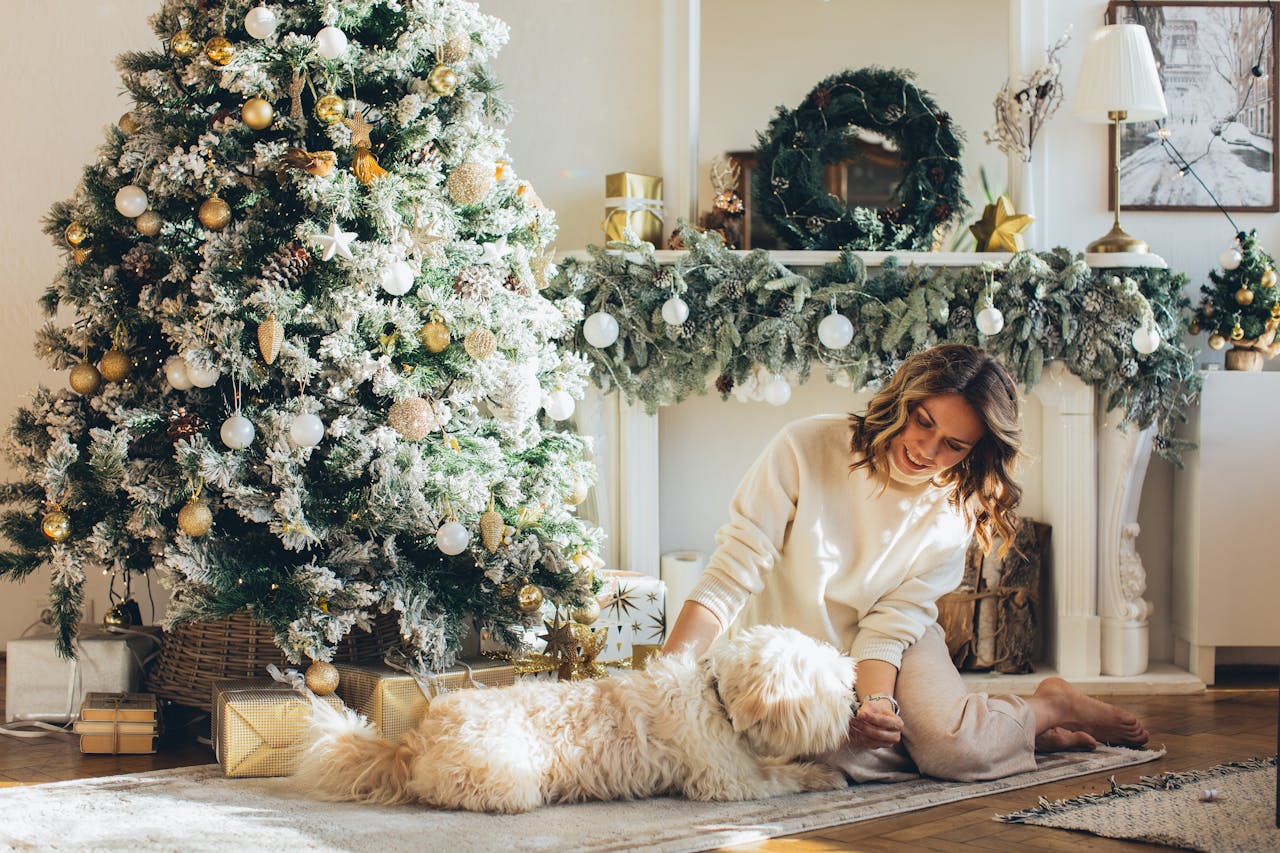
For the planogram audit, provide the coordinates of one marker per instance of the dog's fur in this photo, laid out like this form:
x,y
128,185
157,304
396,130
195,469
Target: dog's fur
x,y
736,726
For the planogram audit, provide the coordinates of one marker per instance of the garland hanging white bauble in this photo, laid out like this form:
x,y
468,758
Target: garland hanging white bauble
x,y
452,538
131,201
777,391
1146,339
675,311
260,22
600,329
307,430
558,405
237,432
331,43
835,331
989,320
175,371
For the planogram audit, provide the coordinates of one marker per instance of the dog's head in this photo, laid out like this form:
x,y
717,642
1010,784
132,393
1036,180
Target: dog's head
x,y
786,693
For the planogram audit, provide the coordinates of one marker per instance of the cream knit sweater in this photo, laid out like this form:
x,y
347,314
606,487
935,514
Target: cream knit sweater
x,y
816,547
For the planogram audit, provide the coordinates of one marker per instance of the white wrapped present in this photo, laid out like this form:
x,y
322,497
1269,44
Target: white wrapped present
x,y
633,608
40,686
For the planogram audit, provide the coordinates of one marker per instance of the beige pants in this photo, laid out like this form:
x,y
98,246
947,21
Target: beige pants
x,y
947,732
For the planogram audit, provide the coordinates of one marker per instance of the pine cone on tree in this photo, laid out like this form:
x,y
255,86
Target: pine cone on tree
x,y
515,284
735,289
184,424
427,156
475,284
139,264
724,383
287,265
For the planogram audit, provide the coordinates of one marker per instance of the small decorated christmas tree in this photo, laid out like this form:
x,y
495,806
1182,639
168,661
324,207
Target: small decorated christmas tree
x,y
1241,306
309,349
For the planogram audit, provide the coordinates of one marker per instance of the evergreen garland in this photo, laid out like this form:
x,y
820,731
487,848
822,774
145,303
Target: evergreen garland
x,y
799,143
748,312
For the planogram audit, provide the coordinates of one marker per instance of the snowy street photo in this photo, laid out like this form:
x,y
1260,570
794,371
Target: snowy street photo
x,y
1217,67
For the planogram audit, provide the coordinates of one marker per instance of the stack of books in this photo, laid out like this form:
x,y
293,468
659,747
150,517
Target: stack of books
x,y
118,723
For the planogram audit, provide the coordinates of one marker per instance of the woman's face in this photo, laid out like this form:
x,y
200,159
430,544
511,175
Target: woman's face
x,y
940,433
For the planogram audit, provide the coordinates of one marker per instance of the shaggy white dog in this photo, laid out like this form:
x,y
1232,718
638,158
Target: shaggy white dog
x,y
737,725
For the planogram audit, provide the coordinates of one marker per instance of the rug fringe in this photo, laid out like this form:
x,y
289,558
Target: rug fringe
x,y
1165,782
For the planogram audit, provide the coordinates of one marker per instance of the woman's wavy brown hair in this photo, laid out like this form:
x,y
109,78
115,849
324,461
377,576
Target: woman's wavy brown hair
x,y
984,489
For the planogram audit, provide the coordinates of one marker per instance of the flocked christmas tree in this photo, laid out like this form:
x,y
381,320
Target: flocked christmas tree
x,y
1241,306
309,354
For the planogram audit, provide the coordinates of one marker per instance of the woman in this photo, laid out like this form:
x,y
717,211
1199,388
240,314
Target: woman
x,y
851,529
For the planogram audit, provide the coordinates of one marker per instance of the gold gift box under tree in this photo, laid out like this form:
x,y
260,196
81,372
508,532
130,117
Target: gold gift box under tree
x,y
258,726
396,701
633,201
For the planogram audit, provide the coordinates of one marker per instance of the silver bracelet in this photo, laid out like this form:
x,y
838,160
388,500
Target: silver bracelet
x,y
858,703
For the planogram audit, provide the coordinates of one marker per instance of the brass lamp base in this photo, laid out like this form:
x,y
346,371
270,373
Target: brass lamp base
x,y
1116,240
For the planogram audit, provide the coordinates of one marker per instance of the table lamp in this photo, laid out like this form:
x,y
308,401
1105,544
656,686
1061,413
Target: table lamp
x,y
1118,83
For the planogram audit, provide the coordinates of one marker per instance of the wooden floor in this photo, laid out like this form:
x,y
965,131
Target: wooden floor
x,y
1232,721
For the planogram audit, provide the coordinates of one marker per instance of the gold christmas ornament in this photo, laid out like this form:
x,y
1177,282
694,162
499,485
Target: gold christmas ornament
x,y
322,678
365,166
75,233
469,183
1194,328
456,49
579,493
1269,278
1000,229
148,224
183,45
270,337
258,113
195,518
1207,310
318,163
528,598
443,80
1237,333
56,525
1217,341
480,343
330,109
214,213
1275,311
85,378
586,613
117,617
128,124
434,336
413,417
115,365
80,254
491,525
1244,296
219,50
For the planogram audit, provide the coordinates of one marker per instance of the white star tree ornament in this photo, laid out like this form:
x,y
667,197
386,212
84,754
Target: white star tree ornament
x,y
495,253
334,242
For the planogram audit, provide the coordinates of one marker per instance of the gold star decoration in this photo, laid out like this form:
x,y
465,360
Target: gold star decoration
x,y
360,129
562,645
1001,227
592,642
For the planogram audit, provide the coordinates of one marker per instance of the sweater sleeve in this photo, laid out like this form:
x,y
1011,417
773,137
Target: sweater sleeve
x,y
900,618
748,546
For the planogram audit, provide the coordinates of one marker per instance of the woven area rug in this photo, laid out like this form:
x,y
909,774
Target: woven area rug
x,y
197,809
1230,808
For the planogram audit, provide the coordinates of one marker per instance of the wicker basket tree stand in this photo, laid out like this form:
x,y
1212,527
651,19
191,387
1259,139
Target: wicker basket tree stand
x,y
196,654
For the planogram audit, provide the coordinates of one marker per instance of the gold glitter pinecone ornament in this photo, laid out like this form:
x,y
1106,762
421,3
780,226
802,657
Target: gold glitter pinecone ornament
x,y
470,183
85,378
56,525
270,338
491,525
456,49
115,365
480,343
322,678
195,518
413,417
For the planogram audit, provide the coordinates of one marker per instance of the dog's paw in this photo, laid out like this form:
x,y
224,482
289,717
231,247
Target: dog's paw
x,y
822,777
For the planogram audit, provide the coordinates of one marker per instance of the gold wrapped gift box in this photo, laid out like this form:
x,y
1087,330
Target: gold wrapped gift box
x,y
395,701
633,201
258,726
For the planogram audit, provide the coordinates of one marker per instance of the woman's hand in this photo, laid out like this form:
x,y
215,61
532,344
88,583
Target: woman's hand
x,y
875,725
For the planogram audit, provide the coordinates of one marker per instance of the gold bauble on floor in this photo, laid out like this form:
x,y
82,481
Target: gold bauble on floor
x,y
322,678
56,525
85,378
215,214
257,113
195,518
115,365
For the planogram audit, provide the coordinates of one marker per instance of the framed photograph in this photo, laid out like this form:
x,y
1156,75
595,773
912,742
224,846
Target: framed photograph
x,y
1217,64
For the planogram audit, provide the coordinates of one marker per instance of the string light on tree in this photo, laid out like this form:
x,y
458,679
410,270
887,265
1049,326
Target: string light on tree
x,y
600,329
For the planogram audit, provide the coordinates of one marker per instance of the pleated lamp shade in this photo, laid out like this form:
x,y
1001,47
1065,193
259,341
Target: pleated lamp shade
x,y
1119,74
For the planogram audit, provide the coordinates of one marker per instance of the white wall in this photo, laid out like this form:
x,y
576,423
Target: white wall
x,y
585,80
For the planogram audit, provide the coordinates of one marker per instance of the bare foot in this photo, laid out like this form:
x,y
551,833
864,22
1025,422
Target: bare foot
x,y
1078,713
1058,739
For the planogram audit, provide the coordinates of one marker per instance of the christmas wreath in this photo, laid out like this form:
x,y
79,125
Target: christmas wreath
x,y
800,143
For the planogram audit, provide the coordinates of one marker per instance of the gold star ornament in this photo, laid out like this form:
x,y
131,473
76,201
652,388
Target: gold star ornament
x,y
1001,227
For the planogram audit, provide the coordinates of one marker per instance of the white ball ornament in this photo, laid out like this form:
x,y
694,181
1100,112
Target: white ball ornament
x,y
237,432
600,329
260,22
175,371
558,405
306,430
1146,339
131,201
777,391
397,279
331,43
675,311
989,320
203,377
1230,259
835,331
452,538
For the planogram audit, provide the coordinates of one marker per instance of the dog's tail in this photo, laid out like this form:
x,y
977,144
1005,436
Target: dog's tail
x,y
346,760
